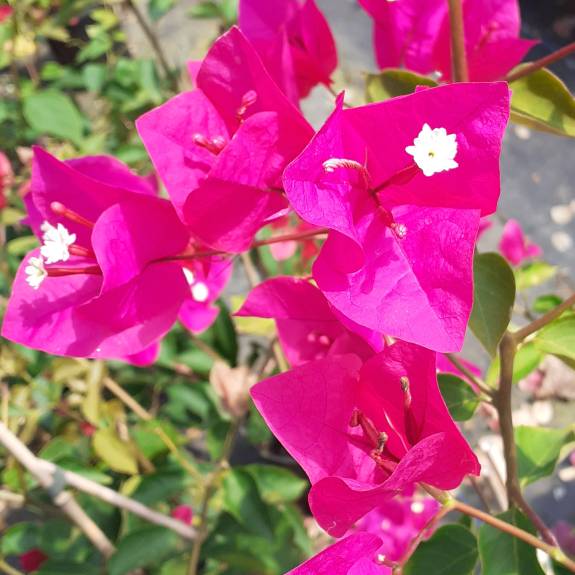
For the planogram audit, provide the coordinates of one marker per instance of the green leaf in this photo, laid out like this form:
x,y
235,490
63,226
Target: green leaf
x,y
527,358
114,452
94,76
58,567
141,548
226,339
542,101
19,538
493,299
533,274
206,9
55,114
229,12
394,82
158,8
545,303
452,550
503,554
21,246
460,399
276,484
243,501
558,337
538,450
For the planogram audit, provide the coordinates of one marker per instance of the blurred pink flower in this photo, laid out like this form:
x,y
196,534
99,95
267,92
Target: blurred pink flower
x,y
565,534
32,560
5,12
6,178
515,246
183,513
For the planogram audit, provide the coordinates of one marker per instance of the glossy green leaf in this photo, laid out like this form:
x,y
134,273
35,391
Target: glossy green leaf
x,y
542,101
503,554
460,399
114,452
141,548
54,114
452,550
558,337
226,339
394,82
276,484
533,274
493,299
538,450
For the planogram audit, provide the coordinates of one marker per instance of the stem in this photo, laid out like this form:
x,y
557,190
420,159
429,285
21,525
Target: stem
x,y
7,569
507,349
536,325
541,63
51,471
210,489
530,539
474,379
154,42
459,59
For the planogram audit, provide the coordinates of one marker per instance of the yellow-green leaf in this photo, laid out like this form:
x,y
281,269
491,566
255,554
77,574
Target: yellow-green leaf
x,y
114,452
394,82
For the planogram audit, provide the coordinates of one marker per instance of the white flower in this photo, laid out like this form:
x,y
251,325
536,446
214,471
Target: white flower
x,y
35,272
200,292
434,150
56,243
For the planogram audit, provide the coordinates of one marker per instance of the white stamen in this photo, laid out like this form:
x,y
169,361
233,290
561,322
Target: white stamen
x,y
434,150
35,272
417,507
333,164
190,278
56,243
200,292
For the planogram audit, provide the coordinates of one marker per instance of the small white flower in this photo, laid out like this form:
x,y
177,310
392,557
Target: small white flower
x,y
434,150
200,292
35,272
57,240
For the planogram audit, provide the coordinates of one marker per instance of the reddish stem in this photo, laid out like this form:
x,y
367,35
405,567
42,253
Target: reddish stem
x,y
542,62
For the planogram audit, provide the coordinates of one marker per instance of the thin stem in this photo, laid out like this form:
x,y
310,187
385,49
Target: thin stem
x,y
530,539
251,272
467,373
536,325
154,42
458,57
206,348
541,63
7,569
210,490
507,350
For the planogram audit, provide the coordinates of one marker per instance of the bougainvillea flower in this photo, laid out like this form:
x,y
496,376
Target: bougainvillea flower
x,y
5,12
282,251
515,246
115,281
308,327
484,225
354,555
398,521
444,365
6,177
294,41
184,513
415,34
398,258
32,560
364,434
565,534
221,148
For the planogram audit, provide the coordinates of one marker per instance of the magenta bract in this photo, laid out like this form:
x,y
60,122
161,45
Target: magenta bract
x,y
221,149
364,433
294,41
399,257
515,246
121,292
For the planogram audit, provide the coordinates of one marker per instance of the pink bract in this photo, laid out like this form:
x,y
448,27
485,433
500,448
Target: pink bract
x,y
6,177
359,436
126,292
294,41
354,555
515,246
418,288
221,148
415,34
308,327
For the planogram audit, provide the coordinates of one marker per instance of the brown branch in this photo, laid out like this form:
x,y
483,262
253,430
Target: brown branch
x,y
50,470
467,373
536,325
460,72
541,63
51,482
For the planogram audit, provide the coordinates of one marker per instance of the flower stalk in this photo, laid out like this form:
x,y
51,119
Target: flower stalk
x,y
459,58
532,67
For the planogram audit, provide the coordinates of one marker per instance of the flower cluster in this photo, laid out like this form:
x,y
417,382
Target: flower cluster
x,y
399,187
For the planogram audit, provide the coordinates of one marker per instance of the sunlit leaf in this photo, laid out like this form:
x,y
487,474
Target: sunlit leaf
x,y
460,399
533,274
558,337
114,452
394,82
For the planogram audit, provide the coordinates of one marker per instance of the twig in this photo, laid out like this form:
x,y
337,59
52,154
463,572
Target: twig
x,y
541,63
7,569
207,349
467,373
55,488
154,42
64,477
251,272
475,484
542,321
460,72
210,489
507,349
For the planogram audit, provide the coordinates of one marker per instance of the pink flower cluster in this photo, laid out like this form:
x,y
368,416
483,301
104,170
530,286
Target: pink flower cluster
x,y
399,188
